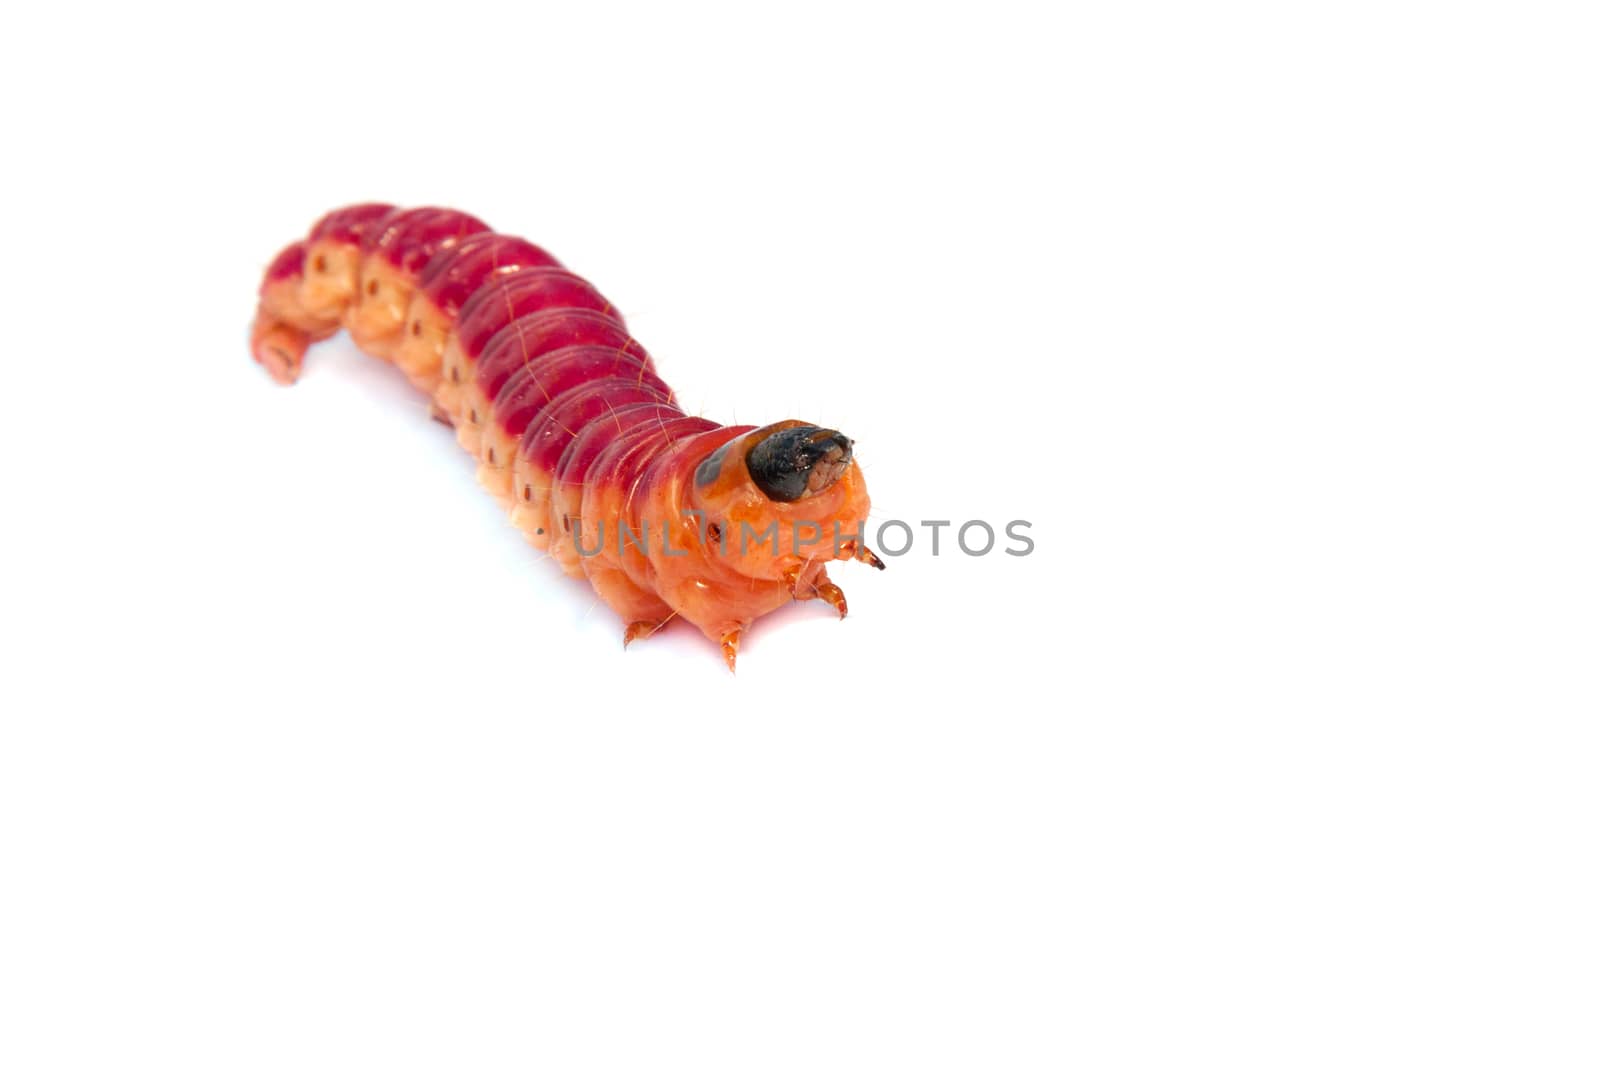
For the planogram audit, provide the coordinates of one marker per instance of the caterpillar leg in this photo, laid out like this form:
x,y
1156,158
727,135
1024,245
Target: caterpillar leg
x,y
642,628
851,550
832,594
866,555
804,584
730,648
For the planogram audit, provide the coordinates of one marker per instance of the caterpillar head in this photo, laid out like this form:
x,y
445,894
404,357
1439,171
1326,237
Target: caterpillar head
x,y
781,496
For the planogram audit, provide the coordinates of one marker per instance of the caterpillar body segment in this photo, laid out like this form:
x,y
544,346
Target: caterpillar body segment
x,y
393,254
499,302
665,514
333,254
444,285
519,342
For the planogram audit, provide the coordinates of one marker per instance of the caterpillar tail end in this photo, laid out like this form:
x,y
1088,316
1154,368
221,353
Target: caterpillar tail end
x,y
285,326
279,347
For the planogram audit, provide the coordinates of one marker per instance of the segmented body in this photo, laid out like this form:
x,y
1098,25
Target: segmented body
x,y
572,428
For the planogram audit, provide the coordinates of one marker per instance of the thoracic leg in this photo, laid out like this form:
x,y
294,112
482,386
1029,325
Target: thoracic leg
x,y
866,555
642,628
804,585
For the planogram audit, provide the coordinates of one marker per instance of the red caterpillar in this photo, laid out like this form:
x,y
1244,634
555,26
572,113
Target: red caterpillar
x,y
667,515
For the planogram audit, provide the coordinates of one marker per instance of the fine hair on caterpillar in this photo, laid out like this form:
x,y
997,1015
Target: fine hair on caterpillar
x,y
573,430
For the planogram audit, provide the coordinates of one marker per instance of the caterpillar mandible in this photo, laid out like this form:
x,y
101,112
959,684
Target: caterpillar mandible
x,y
572,429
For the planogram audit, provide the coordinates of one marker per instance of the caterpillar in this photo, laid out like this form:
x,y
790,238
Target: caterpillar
x,y
666,515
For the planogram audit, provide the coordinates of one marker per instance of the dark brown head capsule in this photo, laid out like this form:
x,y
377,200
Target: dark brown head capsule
x,y
799,461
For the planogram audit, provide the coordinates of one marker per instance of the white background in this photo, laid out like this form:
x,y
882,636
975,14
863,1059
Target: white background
x,y
1278,322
